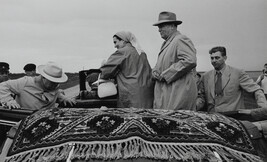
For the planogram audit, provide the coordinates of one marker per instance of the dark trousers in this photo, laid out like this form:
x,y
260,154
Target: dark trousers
x,y
3,131
258,140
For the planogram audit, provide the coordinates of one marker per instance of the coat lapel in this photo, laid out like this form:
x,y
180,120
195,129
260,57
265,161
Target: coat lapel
x,y
211,83
226,77
168,42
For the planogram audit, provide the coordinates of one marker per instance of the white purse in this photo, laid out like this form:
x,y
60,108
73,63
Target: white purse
x,y
105,88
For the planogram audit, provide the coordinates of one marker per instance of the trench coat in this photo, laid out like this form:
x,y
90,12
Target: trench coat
x,y
176,63
133,76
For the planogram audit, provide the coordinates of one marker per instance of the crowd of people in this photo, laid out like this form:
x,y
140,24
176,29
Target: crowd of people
x,y
172,83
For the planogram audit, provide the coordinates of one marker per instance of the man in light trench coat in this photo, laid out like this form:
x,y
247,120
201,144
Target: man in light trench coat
x,y
175,86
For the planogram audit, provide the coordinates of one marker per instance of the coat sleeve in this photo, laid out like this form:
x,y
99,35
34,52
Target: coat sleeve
x,y
11,87
186,56
258,81
260,99
110,69
248,84
201,100
259,114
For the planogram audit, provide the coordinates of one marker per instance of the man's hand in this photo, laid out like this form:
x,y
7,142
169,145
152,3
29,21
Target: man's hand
x,y
262,77
12,104
258,125
99,81
156,75
91,78
70,101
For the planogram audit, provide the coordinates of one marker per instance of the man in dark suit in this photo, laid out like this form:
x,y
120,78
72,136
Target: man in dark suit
x,y
221,89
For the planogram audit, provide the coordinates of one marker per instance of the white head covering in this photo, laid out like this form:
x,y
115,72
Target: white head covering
x,y
130,38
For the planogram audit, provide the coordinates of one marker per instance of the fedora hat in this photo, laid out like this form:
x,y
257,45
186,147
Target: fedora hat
x,y
167,17
52,72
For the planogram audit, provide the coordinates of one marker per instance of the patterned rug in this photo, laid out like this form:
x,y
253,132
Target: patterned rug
x,y
79,133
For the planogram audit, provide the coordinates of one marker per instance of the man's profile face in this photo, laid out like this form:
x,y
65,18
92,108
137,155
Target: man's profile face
x,y
3,76
165,30
49,85
217,60
30,73
265,69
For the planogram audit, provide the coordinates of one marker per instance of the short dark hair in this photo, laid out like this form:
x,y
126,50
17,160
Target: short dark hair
x,y
218,48
30,67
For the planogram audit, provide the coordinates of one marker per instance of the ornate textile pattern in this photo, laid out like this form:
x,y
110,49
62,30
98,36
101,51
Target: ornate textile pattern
x,y
80,133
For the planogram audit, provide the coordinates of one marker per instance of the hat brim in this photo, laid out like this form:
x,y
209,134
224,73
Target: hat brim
x,y
177,22
62,79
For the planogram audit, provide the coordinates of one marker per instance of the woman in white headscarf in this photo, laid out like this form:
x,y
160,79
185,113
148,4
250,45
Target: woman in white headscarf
x,y
131,69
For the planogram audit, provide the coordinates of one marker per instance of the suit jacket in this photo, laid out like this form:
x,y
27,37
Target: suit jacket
x,y
234,81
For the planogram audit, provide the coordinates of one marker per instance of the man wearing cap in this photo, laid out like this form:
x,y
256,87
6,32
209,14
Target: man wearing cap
x,y
30,69
36,92
175,86
4,71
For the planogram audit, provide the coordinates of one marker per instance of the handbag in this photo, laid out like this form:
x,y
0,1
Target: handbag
x,y
105,88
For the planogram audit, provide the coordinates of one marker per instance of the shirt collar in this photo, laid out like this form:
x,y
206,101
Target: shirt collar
x,y
222,70
172,35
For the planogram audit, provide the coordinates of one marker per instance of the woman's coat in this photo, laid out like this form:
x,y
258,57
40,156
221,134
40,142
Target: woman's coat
x,y
133,75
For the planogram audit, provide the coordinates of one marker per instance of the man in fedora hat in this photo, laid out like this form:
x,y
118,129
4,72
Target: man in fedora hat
x,y
175,86
36,92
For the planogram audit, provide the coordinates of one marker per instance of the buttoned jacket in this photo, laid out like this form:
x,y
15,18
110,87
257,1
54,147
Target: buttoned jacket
x,y
234,81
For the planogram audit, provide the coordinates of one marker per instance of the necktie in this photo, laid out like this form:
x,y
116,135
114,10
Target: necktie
x,y
218,84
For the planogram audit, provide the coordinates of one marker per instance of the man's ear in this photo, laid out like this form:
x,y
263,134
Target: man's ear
x,y
225,57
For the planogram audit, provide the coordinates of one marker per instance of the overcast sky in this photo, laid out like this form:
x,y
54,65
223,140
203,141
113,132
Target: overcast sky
x,y
77,34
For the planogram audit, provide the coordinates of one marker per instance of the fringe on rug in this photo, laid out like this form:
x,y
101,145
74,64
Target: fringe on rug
x,y
134,147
